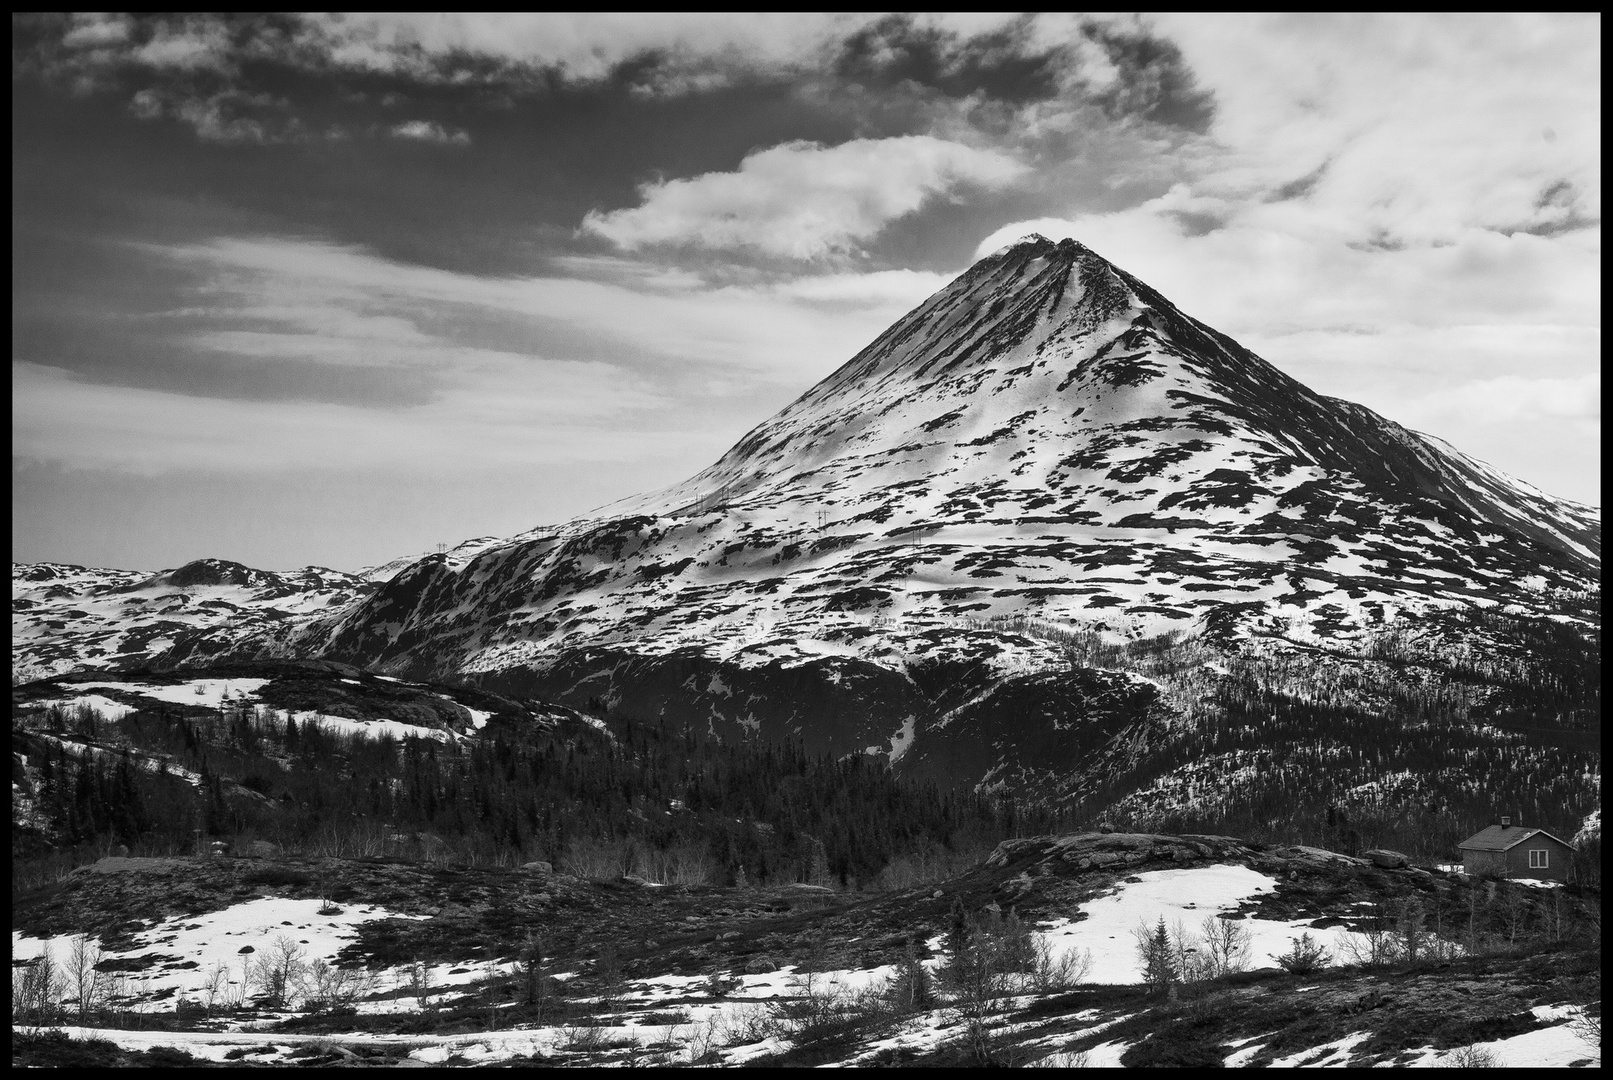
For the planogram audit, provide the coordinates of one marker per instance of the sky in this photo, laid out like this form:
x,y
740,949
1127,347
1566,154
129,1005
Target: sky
x,y
329,290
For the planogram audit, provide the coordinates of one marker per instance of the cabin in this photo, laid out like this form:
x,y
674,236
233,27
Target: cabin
x,y
1514,851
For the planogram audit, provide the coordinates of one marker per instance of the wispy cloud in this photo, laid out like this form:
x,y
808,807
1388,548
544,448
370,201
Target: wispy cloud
x,y
489,422
640,316
427,131
802,200
579,361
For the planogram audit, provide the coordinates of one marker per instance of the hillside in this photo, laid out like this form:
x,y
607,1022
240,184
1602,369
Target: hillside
x,y
444,965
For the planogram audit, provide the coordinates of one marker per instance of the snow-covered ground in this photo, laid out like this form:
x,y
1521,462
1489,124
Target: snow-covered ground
x,y
1543,1048
219,693
1187,896
216,940
209,693
224,939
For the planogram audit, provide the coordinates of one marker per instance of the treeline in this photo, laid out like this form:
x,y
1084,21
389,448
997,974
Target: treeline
x,y
628,798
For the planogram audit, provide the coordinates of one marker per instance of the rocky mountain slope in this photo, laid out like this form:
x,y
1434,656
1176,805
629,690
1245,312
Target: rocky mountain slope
x,y
924,555
1046,436
66,618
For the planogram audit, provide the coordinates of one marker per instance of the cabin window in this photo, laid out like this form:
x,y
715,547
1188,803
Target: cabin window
x,y
1537,859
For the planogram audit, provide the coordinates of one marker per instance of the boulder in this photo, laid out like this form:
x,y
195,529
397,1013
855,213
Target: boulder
x,y
1389,860
761,965
539,865
262,849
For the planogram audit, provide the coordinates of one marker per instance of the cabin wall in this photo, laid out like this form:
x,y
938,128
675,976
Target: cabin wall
x,y
1556,862
1485,863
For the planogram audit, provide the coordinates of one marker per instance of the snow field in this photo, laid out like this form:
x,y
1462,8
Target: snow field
x,y
218,937
1543,1048
112,710
372,729
1188,895
207,692
215,693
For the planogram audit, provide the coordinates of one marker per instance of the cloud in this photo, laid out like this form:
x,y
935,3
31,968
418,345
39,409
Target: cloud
x,y
1427,124
637,314
426,131
802,200
491,423
1518,397
95,30
617,362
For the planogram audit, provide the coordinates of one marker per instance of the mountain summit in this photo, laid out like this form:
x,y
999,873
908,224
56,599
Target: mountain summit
x,y
1046,383
1047,436
1046,441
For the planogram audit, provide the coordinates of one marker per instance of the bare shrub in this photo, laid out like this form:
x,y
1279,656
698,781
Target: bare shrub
x,y
1304,956
279,969
120,992
718,985
324,986
1226,946
215,986
1062,1059
701,1041
608,972
36,991
821,1010
529,972
1586,1025
742,1027
982,959
596,860
1471,1057
1376,946
87,985
1411,930
346,840
685,863
592,1038
417,976
1052,975
583,1038
1515,912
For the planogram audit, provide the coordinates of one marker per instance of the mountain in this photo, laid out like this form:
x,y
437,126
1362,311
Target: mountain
x,y
1045,531
64,618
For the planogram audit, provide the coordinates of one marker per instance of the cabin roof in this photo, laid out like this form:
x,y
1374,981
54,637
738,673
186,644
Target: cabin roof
x,y
1503,838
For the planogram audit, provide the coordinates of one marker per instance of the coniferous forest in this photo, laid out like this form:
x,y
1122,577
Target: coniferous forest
x,y
1394,741
621,798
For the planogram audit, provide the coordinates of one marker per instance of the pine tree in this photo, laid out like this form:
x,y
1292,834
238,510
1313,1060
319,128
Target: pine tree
x,y
1154,950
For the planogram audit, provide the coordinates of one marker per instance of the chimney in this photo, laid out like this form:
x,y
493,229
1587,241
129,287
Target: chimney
x,y
1506,822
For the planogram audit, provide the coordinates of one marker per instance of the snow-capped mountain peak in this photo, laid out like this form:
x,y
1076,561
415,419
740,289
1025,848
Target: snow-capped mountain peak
x,y
1046,440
